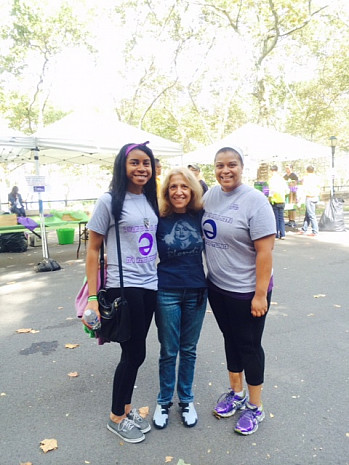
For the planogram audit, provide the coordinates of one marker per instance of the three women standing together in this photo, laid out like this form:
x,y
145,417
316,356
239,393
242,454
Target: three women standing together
x,y
238,227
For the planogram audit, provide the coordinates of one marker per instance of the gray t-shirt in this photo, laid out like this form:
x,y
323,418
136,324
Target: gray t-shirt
x,y
137,237
231,222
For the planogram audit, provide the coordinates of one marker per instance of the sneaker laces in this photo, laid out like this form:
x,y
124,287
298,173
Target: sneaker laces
x,y
251,413
226,397
135,415
127,424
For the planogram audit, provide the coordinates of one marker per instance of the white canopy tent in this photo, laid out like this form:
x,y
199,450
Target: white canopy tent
x,y
261,144
89,137
82,138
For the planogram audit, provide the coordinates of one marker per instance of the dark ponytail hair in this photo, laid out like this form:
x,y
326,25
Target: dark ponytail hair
x,y
119,182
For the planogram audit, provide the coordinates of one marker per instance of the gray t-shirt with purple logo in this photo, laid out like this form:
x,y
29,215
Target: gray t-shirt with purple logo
x,y
137,227
232,221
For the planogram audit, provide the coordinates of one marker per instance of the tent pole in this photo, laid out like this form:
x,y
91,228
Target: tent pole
x,y
47,264
41,214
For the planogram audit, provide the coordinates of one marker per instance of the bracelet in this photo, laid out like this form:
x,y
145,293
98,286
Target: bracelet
x,y
91,297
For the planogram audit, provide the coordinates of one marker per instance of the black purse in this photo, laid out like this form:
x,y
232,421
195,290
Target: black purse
x,y
115,315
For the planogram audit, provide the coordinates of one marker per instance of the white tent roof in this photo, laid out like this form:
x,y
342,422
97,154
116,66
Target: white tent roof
x,y
261,144
83,138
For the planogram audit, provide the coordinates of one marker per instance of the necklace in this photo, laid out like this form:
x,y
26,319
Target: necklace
x,y
146,220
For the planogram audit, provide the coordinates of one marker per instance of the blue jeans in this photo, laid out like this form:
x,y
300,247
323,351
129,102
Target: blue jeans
x,y
310,216
179,317
279,209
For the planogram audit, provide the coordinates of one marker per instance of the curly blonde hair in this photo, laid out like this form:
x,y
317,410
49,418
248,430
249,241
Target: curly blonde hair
x,y
195,204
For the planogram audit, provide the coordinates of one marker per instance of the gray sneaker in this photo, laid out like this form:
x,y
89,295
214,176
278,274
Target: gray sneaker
x,y
139,421
126,430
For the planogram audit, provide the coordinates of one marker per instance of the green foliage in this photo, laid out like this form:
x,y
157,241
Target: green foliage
x,y
191,72
36,36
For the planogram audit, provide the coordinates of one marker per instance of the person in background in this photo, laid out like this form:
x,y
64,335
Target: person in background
x,y
239,229
197,172
292,179
278,189
311,192
132,201
182,293
158,169
16,202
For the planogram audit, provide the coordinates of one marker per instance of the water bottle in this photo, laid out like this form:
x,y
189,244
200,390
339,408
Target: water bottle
x,y
91,318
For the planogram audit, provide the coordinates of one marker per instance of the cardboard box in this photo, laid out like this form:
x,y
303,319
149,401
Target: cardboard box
x,y
8,220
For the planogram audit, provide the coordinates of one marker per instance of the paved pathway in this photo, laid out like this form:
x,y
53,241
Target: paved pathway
x,y
307,374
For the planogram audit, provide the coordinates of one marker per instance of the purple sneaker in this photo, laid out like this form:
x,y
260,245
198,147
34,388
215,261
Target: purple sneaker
x,y
249,419
229,403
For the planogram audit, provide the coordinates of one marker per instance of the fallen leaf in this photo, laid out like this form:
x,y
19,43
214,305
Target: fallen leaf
x,y
48,444
26,463
87,461
144,411
71,346
73,374
168,459
311,314
24,330
3,394
319,295
347,435
60,308
273,303
271,415
337,306
181,462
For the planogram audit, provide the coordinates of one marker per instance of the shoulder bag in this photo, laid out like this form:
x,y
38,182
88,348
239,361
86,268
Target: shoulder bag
x,y
115,315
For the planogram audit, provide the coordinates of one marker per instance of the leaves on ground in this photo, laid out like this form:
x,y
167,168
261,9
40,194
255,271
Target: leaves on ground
x,y
181,462
48,444
143,411
26,463
168,459
311,314
73,374
27,330
3,394
71,346
60,308
316,296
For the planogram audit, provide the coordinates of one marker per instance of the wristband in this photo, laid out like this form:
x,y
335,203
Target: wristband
x,y
91,297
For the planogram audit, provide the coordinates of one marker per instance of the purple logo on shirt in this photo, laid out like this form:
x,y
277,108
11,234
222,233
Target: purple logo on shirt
x,y
210,229
146,241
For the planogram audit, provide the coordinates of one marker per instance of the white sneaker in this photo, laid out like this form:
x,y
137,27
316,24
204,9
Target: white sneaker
x,y
160,417
189,415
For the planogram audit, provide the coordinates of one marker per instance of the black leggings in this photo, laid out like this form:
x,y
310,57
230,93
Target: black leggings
x,y
142,304
242,335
